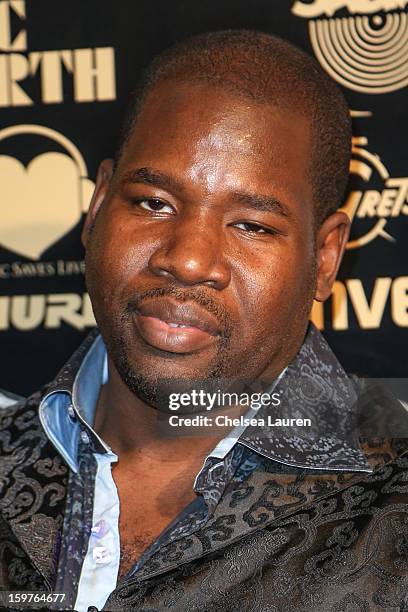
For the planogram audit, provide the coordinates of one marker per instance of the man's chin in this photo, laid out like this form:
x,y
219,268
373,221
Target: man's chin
x,y
154,375
159,392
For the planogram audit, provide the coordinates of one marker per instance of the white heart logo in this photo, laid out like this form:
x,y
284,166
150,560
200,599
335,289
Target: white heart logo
x,y
40,203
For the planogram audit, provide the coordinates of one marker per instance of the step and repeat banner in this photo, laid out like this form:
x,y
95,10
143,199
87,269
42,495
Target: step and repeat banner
x,y
66,69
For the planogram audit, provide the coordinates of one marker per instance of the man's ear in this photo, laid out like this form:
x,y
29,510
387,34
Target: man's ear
x,y
105,172
331,242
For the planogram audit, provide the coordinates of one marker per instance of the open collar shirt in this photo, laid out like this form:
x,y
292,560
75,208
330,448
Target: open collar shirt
x,y
313,386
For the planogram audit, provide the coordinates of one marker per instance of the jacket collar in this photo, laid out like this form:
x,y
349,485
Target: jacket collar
x,y
314,386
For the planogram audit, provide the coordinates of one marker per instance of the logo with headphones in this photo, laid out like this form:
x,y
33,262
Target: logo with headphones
x,y
366,50
42,201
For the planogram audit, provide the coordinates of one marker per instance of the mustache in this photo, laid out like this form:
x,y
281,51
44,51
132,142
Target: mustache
x,y
197,295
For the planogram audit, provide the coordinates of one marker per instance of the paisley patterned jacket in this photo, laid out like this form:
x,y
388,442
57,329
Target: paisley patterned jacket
x,y
330,536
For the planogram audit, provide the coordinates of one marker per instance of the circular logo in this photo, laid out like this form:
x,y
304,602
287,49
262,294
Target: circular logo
x,y
365,53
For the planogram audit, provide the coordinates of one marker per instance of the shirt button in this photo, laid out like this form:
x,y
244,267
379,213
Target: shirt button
x,y
100,529
71,412
101,555
84,437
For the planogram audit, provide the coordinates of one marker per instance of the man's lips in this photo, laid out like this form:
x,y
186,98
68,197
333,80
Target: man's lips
x,y
177,327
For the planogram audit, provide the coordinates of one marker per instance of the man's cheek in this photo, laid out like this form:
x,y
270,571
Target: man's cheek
x,y
258,319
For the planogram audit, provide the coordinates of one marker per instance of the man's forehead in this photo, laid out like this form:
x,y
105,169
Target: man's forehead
x,y
207,143
209,117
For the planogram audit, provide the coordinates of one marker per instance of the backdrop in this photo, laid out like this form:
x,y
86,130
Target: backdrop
x,y
66,69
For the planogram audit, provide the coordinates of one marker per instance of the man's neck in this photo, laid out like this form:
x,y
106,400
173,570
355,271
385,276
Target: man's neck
x,y
133,429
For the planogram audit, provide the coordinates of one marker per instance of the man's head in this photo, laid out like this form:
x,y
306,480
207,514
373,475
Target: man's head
x,y
209,237
263,69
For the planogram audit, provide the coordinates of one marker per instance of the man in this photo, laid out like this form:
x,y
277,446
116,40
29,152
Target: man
x,y
207,239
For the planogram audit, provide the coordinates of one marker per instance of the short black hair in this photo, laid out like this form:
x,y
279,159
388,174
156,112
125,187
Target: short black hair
x,y
264,69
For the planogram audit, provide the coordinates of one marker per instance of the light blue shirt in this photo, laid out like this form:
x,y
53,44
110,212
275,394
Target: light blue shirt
x,y
65,420
61,418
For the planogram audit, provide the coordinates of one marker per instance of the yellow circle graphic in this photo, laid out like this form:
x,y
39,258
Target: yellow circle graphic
x,y
363,55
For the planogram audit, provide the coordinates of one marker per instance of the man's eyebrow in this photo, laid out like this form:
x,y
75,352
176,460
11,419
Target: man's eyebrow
x,y
263,203
156,178
148,176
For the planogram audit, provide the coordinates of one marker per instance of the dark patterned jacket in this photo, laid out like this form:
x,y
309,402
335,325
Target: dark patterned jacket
x,y
325,539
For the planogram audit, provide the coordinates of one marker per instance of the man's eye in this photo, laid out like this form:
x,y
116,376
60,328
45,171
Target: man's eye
x,y
153,205
252,227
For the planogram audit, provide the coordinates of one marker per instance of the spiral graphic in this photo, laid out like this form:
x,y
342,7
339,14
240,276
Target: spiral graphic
x,y
366,54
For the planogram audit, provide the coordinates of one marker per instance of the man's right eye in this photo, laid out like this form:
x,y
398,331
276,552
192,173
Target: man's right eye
x,y
153,205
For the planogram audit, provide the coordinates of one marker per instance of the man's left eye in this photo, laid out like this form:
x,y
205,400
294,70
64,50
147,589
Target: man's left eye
x,y
154,205
252,227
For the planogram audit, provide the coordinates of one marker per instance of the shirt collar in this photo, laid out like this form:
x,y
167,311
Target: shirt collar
x,y
68,409
313,386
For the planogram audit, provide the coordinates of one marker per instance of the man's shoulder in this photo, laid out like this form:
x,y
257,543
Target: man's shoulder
x,y
8,398
25,450
33,481
17,417
381,413
29,464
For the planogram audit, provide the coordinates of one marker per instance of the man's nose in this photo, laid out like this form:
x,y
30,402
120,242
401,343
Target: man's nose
x,y
192,254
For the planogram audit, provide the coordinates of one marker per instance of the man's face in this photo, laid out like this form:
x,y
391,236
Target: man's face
x,y
201,258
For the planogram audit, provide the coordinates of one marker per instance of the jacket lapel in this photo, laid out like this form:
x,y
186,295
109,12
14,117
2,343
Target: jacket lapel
x,y
267,500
